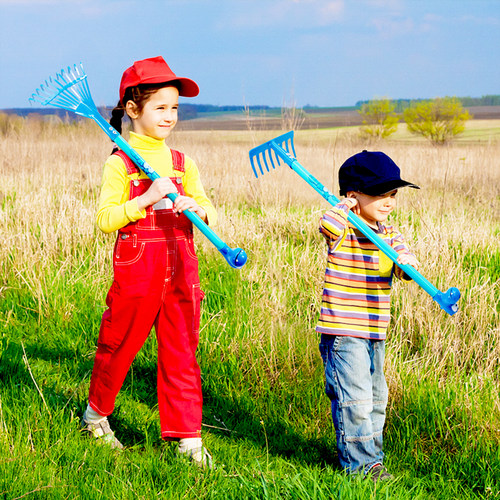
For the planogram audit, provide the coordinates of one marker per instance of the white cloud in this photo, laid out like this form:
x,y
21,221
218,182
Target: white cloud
x,y
85,8
480,21
385,4
31,2
84,4
332,11
292,14
393,26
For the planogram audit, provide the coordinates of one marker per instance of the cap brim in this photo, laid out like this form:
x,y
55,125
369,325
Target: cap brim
x,y
387,187
187,87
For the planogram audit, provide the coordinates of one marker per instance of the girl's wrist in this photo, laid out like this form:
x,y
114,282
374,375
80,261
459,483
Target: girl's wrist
x,y
202,213
142,202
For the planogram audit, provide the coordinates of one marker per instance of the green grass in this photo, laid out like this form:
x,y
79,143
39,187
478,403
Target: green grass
x,y
266,418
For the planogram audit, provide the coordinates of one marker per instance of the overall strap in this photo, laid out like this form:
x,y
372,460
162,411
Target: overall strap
x,y
131,167
178,159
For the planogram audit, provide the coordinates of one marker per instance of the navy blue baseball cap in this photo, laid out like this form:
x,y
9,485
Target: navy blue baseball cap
x,y
372,173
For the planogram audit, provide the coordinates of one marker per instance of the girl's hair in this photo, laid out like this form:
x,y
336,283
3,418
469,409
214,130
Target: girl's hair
x,y
138,95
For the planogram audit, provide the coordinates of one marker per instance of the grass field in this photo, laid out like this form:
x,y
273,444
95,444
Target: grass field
x,y
266,418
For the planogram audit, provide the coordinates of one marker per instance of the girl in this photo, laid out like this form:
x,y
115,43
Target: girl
x,y
156,278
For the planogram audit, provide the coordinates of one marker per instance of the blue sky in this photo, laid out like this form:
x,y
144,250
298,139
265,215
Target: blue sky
x,y
271,52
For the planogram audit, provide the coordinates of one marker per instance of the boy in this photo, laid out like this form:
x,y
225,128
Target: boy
x,y
356,306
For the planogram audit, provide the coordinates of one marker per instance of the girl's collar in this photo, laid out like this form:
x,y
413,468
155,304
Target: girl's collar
x,y
145,142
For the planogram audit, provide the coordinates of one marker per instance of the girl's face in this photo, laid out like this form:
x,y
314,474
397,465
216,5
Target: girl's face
x,y
159,115
373,209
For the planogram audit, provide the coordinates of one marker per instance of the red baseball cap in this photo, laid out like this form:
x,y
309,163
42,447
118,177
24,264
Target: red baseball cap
x,y
155,70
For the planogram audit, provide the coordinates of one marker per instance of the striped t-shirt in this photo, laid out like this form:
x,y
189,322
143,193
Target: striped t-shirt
x,y
358,278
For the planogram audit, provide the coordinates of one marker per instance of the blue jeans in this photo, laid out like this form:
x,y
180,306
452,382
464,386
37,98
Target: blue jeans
x,y
356,386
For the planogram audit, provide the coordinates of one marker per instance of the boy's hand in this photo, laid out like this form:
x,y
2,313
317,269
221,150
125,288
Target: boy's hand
x,y
158,190
186,203
408,258
352,203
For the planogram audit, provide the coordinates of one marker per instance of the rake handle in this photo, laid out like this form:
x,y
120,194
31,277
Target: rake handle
x,y
236,257
446,300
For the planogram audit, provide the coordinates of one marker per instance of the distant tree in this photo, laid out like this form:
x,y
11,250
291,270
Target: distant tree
x,y
438,120
379,118
485,100
187,112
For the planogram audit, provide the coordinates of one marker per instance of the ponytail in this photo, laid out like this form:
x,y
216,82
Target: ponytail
x,y
116,117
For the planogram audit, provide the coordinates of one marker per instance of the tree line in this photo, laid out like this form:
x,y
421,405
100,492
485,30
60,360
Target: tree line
x,y
438,120
401,104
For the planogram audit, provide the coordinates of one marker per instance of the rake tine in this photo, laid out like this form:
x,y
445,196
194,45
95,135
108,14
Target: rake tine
x,y
252,163
286,143
258,155
255,165
264,160
277,157
270,156
271,151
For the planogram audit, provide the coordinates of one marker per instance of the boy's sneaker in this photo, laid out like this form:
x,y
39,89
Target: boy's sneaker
x,y
199,456
102,432
379,473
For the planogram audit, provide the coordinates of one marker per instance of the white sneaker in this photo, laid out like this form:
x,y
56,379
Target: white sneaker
x,y
199,456
102,432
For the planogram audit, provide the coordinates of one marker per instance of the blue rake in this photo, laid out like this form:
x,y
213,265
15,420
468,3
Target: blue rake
x,y
70,90
282,148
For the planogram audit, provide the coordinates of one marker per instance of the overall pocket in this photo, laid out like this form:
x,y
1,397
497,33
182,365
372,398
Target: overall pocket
x,y
127,250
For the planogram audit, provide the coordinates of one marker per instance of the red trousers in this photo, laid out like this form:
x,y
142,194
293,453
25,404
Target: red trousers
x,y
156,283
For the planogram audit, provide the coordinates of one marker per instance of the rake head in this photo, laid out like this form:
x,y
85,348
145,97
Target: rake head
x,y
67,90
262,155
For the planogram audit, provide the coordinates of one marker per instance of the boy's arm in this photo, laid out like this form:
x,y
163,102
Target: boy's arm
x,y
405,256
334,221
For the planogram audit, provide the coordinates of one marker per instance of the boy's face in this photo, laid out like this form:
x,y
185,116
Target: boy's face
x,y
373,209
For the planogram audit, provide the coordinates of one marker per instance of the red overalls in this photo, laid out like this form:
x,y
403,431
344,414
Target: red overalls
x,y
156,283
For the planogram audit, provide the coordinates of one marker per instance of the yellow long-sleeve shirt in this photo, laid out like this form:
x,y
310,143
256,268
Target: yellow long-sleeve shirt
x,y
116,210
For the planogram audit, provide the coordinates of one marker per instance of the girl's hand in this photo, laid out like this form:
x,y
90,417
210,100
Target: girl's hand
x,y
408,258
158,190
186,203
